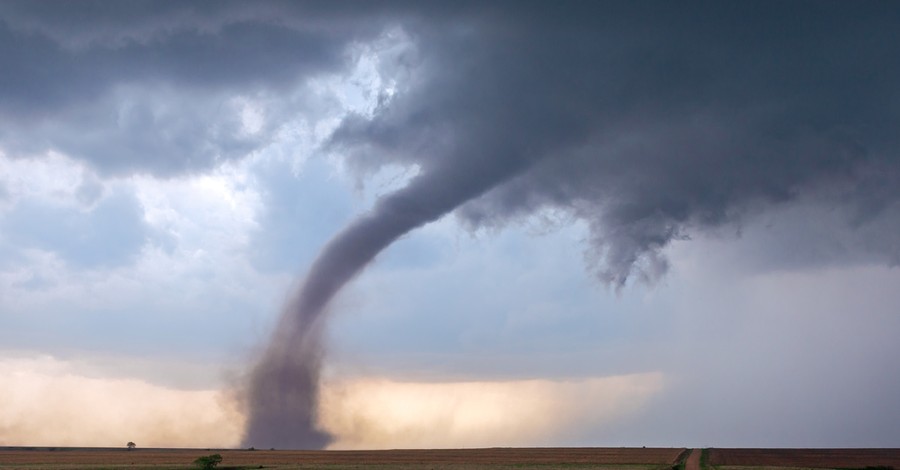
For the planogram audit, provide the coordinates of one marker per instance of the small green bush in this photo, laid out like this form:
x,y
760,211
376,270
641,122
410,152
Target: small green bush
x,y
208,462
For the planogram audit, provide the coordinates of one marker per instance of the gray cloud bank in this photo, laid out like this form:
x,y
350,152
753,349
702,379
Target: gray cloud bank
x,y
652,120
649,121
146,86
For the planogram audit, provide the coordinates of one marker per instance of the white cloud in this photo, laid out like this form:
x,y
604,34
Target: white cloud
x,y
191,270
52,177
204,213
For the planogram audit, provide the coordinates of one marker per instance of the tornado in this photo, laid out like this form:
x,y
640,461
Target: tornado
x,y
282,394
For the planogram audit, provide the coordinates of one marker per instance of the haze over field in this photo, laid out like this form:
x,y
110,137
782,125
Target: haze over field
x,y
403,224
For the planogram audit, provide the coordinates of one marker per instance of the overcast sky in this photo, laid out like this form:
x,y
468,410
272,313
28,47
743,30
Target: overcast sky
x,y
637,223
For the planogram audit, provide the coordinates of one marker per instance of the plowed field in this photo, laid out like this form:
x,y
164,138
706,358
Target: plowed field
x,y
456,459
806,458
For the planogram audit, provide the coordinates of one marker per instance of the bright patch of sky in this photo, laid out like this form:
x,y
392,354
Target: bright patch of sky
x,y
194,265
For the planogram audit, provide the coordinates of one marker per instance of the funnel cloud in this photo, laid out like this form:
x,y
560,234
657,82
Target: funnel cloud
x,y
282,394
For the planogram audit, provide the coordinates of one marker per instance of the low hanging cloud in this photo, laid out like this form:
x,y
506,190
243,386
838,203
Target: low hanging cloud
x,y
51,402
383,414
46,402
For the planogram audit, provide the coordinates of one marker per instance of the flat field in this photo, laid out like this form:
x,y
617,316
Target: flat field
x,y
804,458
604,458
450,459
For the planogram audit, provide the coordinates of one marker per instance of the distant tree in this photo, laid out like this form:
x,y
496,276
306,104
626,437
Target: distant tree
x,y
131,445
209,462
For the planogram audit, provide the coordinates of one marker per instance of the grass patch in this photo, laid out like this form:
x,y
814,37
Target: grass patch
x,y
682,458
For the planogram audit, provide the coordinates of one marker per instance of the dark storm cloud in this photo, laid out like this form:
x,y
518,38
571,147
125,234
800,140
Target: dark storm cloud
x,y
145,86
647,120
64,53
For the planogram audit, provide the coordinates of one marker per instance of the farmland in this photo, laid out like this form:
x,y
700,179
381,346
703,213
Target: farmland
x,y
455,459
45,458
804,458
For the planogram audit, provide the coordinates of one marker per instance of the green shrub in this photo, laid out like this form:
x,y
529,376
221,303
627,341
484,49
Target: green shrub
x,y
208,462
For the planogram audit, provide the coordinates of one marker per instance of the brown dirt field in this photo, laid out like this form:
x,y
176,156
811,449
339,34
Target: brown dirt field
x,y
66,458
809,458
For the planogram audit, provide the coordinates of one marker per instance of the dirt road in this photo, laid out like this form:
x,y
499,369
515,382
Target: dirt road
x,y
693,460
